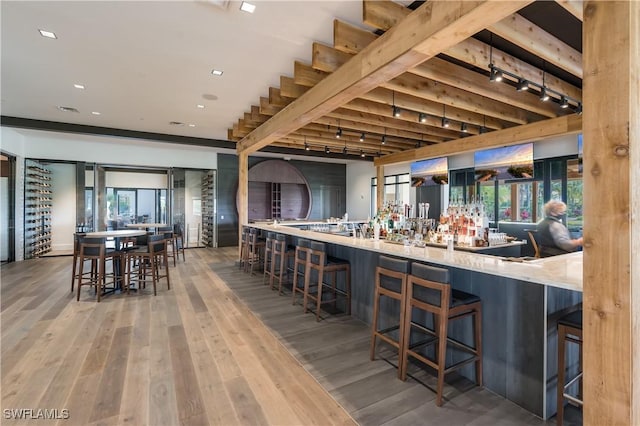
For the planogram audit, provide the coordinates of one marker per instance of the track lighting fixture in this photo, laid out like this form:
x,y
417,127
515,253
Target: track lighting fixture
x,y
564,103
463,128
579,108
361,153
339,133
495,74
544,96
445,122
422,117
344,150
395,111
327,150
483,128
306,147
384,139
362,137
523,85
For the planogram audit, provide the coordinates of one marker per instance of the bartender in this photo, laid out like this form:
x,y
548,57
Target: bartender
x,y
553,237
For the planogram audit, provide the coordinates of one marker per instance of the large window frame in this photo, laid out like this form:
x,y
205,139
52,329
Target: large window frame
x,y
399,185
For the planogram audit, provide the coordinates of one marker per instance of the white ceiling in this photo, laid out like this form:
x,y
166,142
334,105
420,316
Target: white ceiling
x,y
147,63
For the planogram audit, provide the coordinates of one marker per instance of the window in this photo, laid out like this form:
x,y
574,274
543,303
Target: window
x,y
396,188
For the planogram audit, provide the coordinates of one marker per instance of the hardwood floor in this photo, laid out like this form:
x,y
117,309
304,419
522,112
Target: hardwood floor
x,y
192,355
218,348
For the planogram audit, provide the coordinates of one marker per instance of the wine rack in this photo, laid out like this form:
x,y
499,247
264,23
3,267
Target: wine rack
x,y
37,209
208,211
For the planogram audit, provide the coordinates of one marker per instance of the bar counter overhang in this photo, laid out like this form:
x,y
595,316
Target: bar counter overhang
x,y
521,304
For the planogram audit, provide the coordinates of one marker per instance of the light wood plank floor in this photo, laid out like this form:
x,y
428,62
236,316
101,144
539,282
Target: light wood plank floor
x,y
209,351
192,355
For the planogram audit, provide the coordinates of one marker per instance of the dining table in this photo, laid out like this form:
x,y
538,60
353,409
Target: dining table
x,y
117,235
147,226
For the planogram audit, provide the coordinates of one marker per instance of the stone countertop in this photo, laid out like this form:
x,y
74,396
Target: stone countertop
x,y
564,271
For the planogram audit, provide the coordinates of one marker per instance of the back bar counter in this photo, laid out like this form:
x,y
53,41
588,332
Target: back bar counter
x,y
521,304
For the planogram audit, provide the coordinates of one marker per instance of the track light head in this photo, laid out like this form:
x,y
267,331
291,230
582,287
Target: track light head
x,y
422,117
396,111
361,153
339,133
495,74
463,128
483,129
523,85
445,122
579,108
327,150
362,137
544,96
306,147
383,140
564,103
344,150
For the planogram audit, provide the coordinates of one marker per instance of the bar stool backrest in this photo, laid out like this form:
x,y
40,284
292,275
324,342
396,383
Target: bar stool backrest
x,y
317,253
388,281
156,243
93,247
430,284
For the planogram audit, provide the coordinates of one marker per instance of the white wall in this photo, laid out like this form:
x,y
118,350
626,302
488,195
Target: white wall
x,y
359,176
107,149
135,180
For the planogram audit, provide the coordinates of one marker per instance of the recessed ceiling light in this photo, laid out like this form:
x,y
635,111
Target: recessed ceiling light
x,y
95,113
247,7
67,109
200,106
47,34
79,86
216,72
192,125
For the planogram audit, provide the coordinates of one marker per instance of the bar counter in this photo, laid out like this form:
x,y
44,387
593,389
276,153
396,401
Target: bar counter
x,y
521,304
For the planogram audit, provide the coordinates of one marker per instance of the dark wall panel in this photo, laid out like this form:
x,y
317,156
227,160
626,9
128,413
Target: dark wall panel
x,y
322,177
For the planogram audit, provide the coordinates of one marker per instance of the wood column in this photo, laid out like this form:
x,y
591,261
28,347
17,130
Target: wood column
x,y
379,188
243,194
611,53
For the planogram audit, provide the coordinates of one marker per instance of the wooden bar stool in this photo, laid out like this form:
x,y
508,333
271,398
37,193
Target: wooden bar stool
x,y
391,282
280,261
95,251
268,258
314,283
76,252
299,268
569,331
244,246
145,264
255,247
428,290
178,236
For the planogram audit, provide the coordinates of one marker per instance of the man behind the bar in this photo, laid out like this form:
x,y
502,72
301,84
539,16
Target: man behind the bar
x,y
553,237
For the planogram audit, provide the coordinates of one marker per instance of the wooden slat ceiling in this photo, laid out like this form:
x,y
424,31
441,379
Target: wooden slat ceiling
x,y
453,85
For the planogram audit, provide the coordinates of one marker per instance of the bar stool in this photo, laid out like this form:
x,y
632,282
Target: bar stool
x,y
144,264
244,247
428,290
391,282
280,261
322,264
299,267
255,248
167,232
95,250
178,236
268,258
76,253
569,330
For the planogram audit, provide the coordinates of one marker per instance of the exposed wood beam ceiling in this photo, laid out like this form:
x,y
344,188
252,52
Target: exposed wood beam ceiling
x,y
355,84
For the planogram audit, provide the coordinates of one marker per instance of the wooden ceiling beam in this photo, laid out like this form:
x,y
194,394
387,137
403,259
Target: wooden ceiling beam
x,y
266,108
350,39
574,7
429,30
532,38
553,127
384,14
326,57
